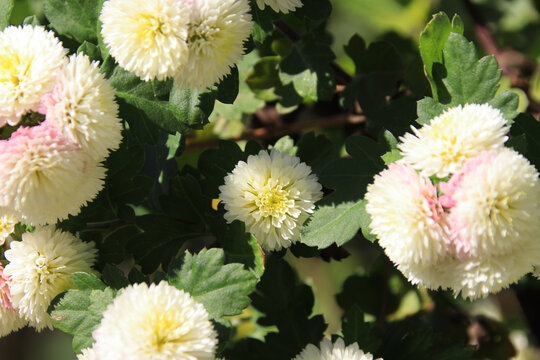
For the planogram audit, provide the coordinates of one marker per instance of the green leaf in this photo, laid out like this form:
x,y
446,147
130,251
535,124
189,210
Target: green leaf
x,y
308,68
264,74
114,277
227,89
467,79
285,145
76,19
31,20
526,125
85,281
332,224
263,21
316,151
192,107
6,7
432,41
222,289
79,312
91,50
429,108
356,330
349,177
507,101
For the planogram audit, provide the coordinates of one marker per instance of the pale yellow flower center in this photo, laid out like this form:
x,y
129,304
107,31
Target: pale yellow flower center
x,y
13,68
164,328
42,266
272,201
150,28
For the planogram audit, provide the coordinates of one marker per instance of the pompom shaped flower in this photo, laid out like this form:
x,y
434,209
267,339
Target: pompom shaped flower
x,y
7,226
87,354
494,205
30,58
273,194
147,37
217,31
82,106
283,6
44,176
336,351
409,222
457,135
154,322
10,320
40,267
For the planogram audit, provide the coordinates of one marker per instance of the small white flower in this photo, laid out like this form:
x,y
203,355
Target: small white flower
x,y
283,6
40,267
217,31
460,133
273,194
409,222
44,176
336,351
30,58
7,226
156,322
147,37
87,354
10,320
82,106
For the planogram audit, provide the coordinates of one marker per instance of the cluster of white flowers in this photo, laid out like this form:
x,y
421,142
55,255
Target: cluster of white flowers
x,y
196,42
50,170
153,322
481,232
273,194
40,267
336,351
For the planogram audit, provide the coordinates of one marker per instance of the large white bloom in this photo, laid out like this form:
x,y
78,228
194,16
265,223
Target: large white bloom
x,y
460,133
217,31
273,194
82,106
44,176
336,351
87,354
30,57
409,222
158,322
147,37
10,319
494,204
40,267
283,6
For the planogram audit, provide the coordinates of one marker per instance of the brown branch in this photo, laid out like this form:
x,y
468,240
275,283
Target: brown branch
x,y
266,133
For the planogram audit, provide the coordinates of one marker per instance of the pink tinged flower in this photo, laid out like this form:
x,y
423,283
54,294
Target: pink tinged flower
x,y
5,293
410,223
44,176
494,204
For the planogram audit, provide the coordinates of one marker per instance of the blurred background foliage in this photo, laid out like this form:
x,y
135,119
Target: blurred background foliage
x,y
515,25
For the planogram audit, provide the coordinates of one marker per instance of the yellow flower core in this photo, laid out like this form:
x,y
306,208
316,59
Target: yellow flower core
x,y
164,328
150,28
13,68
272,200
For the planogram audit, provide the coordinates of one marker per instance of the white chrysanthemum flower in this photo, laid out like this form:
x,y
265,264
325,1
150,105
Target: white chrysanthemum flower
x,y
40,267
217,31
460,133
409,222
336,351
7,226
273,194
156,322
10,319
82,106
147,37
477,277
283,6
44,176
87,354
494,204
30,57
